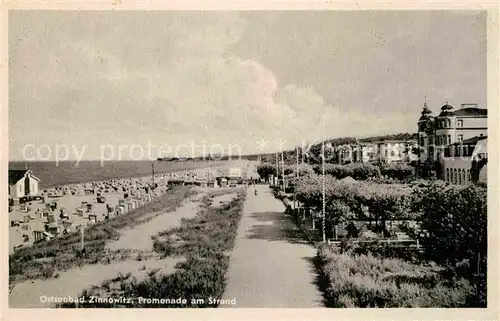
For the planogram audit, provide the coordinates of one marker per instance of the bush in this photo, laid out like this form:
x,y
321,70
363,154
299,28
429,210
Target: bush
x,y
356,171
455,221
453,229
365,281
347,201
364,171
48,272
398,171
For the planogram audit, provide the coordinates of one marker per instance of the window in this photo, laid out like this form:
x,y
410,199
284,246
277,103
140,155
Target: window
x,y
455,176
460,123
447,152
449,123
460,138
459,177
447,174
449,139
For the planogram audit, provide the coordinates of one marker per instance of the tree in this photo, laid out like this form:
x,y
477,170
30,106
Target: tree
x,y
455,221
266,169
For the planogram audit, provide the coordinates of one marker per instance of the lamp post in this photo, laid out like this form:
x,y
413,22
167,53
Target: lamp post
x,y
283,170
277,170
295,206
153,172
323,183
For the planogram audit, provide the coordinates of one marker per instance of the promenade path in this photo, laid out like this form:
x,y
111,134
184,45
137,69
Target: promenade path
x,y
270,266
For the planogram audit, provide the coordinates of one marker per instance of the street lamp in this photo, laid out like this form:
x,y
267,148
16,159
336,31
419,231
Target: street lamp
x,y
323,183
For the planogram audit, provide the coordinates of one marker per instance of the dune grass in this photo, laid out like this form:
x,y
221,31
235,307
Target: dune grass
x,y
42,260
350,280
204,243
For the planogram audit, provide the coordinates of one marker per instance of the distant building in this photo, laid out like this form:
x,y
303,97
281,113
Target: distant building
x,y
22,183
449,127
395,150
345,154
387,151
366,153
234,173
464,163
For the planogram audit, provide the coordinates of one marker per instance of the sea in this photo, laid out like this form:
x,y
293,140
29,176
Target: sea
x,y
70,172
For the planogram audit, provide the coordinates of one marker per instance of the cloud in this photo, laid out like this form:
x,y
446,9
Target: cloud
x,y
132,77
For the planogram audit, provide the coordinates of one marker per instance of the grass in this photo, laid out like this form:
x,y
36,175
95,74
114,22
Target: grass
x,y
204,242
32,262
349,281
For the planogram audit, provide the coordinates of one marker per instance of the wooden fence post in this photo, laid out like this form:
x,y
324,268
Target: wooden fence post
x,y
82,235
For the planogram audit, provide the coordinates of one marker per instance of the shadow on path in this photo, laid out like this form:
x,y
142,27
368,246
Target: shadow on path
x,y
320,280
275,226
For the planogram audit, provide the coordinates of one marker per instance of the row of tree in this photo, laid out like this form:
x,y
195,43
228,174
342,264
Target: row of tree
x,y
453,219
347,200
358,171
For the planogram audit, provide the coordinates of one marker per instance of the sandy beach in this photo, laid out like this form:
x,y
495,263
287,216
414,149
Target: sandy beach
x,y
31,294
74,205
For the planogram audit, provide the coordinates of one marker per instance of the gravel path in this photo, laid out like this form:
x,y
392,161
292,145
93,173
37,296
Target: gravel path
x,y
270,267
139,237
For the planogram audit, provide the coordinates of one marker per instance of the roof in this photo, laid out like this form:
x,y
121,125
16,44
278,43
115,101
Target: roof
x,y
471,111
426,111
16,174
471,141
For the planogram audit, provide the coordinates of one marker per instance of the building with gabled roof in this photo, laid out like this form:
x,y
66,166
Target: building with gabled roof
x,y
22,183
449,127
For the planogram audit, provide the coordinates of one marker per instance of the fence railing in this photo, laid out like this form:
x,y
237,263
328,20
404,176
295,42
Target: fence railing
x,y
396,242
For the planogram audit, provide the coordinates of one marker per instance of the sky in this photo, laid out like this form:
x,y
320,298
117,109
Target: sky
x,y
94,84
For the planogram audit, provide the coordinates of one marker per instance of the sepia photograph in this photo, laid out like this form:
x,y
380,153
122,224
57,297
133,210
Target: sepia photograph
x,y
248,159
